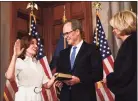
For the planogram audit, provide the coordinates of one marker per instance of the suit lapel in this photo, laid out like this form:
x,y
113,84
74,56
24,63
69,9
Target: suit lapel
x,y
68,59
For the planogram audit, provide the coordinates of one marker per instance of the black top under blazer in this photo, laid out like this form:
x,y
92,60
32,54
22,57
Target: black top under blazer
x,y
87,66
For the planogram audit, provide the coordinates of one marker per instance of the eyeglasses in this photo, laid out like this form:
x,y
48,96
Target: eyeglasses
x,y
67,33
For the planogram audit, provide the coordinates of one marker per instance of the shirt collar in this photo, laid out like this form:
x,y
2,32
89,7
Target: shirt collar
x,y
27,58
79,44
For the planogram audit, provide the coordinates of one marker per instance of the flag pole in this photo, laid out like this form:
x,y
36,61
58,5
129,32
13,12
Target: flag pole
x,y
97,5
32,6
64,20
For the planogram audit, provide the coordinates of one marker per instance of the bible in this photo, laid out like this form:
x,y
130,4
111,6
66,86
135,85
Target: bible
x,y
62,76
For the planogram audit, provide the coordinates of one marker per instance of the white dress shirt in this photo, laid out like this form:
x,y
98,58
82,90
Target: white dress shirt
x,y
77,49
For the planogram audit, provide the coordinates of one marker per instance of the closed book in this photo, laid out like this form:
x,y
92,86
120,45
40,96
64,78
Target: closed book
x,y
62,76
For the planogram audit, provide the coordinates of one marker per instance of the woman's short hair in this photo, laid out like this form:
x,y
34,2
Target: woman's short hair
x,y
25,43
124,21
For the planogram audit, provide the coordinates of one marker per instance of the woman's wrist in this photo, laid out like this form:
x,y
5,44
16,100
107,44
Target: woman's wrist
x,y
14,55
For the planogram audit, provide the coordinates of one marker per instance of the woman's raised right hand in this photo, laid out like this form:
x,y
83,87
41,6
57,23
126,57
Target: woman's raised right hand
x,y
17,48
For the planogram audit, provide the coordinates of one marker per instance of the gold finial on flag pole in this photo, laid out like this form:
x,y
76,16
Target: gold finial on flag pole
x,y
33,6
97,5
64,20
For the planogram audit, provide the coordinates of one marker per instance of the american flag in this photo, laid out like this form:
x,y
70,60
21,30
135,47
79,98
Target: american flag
x,y
103,93
9,90
48,94
11,87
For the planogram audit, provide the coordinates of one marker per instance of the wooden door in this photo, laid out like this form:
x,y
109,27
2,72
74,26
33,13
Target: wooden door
x,y
53,22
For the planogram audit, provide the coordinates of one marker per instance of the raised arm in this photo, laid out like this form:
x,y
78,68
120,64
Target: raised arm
x,y
17,51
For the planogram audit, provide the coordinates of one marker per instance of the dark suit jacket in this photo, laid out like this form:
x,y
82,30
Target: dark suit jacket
x,y
87,66
123,81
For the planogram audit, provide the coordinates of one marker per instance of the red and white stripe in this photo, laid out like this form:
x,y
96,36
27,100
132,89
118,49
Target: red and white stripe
x,y
103,93
51,93
9,90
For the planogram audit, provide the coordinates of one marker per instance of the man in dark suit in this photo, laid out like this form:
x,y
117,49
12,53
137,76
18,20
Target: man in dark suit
x,y
83,61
